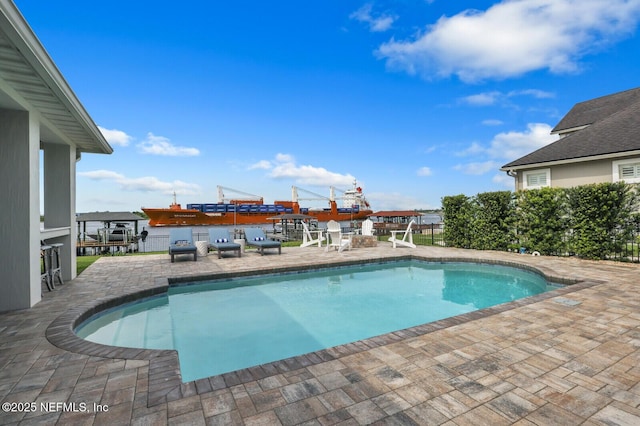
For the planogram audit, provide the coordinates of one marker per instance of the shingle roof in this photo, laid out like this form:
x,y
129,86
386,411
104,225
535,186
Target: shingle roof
x,y
589,112
613,127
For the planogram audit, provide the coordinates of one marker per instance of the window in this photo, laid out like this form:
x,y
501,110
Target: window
x,y
536,179
627,170
630,171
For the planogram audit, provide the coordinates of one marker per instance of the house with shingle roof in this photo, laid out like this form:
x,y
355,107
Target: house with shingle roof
x,y
599,141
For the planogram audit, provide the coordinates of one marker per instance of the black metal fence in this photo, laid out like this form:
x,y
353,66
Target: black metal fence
x,y
427,235
160,243
629,247
432,235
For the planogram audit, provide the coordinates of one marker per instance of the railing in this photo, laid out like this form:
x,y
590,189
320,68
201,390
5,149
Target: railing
x,y
429,235
154,243
426,235
626,247
629,247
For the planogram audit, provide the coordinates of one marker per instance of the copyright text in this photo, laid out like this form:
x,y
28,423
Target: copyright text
x,y
53,407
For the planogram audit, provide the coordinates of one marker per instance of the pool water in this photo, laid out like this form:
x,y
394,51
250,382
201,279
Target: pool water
x,y
222,326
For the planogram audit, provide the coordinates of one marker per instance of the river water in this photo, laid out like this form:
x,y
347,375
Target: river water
x,y
158,236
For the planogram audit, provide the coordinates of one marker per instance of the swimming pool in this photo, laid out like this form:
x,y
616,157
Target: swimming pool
x,y
226,325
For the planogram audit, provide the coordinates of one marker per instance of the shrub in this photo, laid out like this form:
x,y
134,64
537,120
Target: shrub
x,y
542,221
594,221
493,220
601,218
457,214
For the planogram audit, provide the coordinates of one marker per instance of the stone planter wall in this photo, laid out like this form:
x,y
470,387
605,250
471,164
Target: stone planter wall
x,y
361,241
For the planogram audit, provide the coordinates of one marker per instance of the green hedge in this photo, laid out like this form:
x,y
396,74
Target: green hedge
x,y
493,220
601,218
457,213
592,221
483,222
543,220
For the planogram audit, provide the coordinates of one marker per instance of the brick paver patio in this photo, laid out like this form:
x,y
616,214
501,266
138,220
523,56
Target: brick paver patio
x,y
569,357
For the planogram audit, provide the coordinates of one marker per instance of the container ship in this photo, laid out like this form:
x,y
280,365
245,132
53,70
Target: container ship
x,y
253,211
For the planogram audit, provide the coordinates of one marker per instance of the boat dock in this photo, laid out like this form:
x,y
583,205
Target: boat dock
x,y
102,246
121,238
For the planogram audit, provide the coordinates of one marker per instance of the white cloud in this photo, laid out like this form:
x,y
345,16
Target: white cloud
x,y
513,37
102,175
513,145
285,158
377,24
506,146
477,168
474,149
115,137
505,180
262,165
284,166
143,184
424,171
497,97
483,99
535,93
159,145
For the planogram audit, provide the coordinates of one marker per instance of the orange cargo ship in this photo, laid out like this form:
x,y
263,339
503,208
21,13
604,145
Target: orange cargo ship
x,y
255,212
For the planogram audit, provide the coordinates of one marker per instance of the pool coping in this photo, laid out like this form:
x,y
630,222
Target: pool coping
x,y
165,380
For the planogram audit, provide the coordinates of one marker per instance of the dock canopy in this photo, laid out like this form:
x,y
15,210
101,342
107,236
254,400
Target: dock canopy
x,y
107,218
290,218
396,215
398,219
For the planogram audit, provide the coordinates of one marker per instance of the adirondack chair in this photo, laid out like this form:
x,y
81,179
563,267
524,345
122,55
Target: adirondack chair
x,y
367,227
308,238
407,238
336,238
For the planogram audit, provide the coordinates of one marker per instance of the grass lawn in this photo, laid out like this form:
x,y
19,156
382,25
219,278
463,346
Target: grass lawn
x,y
83,262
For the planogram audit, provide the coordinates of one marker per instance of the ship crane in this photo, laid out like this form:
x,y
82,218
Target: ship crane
x,y
352,196
222,198
344,195
295,198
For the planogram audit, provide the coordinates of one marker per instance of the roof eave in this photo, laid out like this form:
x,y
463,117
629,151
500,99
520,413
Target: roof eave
x,y
22,36
568,130
507,168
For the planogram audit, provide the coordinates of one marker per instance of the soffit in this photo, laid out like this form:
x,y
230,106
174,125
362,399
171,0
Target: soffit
x,y
29,78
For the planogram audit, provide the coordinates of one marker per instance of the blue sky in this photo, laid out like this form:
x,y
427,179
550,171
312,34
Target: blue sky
x,y
415,99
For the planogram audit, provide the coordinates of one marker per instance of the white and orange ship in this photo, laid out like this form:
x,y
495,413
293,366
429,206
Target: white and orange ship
x,y
253,211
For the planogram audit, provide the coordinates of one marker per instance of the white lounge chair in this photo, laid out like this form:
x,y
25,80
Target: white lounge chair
x,y
335,237
308,237
367,227
407,238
